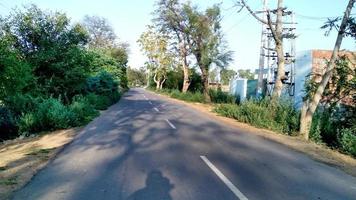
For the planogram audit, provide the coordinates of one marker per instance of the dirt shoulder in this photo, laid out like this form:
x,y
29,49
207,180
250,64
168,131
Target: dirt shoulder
x,y
317,152
21,159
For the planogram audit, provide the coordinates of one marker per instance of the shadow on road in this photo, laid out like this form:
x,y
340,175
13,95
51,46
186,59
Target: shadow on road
x,y
157,187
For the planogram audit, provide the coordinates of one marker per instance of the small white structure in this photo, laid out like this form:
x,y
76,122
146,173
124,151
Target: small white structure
x,y
238,87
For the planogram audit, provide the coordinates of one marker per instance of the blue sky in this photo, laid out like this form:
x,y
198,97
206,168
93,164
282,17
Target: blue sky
x,y
242,32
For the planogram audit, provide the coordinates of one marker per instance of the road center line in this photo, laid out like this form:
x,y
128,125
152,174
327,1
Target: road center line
x,y
156,109
227,182
170,124
144,96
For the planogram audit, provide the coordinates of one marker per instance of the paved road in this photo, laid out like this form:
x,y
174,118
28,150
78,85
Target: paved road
x,y
146,148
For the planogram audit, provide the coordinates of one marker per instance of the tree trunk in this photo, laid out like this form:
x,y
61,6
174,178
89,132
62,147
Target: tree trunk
x,y
278,37
148,77
186,81
305,120
161,84
205,82
183,54
156,81
311,105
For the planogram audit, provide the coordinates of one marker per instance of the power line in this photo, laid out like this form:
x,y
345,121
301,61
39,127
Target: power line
x,y
237,23
318,18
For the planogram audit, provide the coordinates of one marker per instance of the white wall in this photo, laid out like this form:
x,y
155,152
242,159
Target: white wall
x,y
238,87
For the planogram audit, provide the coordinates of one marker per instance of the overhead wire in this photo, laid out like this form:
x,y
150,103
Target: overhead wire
x,y
318,18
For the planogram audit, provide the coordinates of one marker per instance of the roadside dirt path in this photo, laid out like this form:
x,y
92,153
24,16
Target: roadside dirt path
x,y
20,159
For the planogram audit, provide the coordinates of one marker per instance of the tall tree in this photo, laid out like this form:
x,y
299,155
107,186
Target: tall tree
x,y
171,18
155,45
245,74
226,75
206,41
103,39
101,33
52,46
136,76
312,100
276,27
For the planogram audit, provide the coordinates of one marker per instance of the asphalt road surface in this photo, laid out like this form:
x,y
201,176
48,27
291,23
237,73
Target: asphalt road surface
x,y
147,148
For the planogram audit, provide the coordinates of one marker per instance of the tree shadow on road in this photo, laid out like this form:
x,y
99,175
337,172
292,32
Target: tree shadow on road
x,y
157,187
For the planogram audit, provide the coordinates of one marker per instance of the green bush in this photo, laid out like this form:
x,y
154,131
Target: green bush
x,y
52,114
7,124
280,117
27,123
315,129
188,96
20,103
102,102
218,96
347,139
83,110
102,90
102,84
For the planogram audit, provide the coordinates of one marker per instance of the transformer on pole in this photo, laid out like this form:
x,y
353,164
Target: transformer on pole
x,y
268,58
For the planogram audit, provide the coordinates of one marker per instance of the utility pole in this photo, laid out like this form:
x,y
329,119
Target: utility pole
x,y
268,56
261,64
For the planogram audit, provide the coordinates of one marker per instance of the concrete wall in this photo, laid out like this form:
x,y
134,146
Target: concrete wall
x,y
238,87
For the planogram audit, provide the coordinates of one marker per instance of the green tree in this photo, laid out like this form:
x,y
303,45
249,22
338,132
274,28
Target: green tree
x,y
15,72
313,97
245,74
103,39
101,34
226,75
136,76
172,19
53,48
155,45
207,42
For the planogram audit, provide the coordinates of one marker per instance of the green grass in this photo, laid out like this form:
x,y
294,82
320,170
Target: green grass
x,y
36,152
9,181
280,117
217,96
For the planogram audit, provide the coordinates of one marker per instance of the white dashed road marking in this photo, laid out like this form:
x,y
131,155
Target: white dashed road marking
x,y
227,182
170,124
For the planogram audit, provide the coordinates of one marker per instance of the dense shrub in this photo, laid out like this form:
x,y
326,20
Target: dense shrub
x,y
102,84
188,96
218,96
347,139
48,78
335,127
280,117
53,114
20,103
27,123
83,110
50,114
99,102
7,124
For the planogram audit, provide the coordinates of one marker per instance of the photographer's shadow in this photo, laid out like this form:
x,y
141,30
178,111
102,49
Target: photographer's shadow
x,y
157,187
